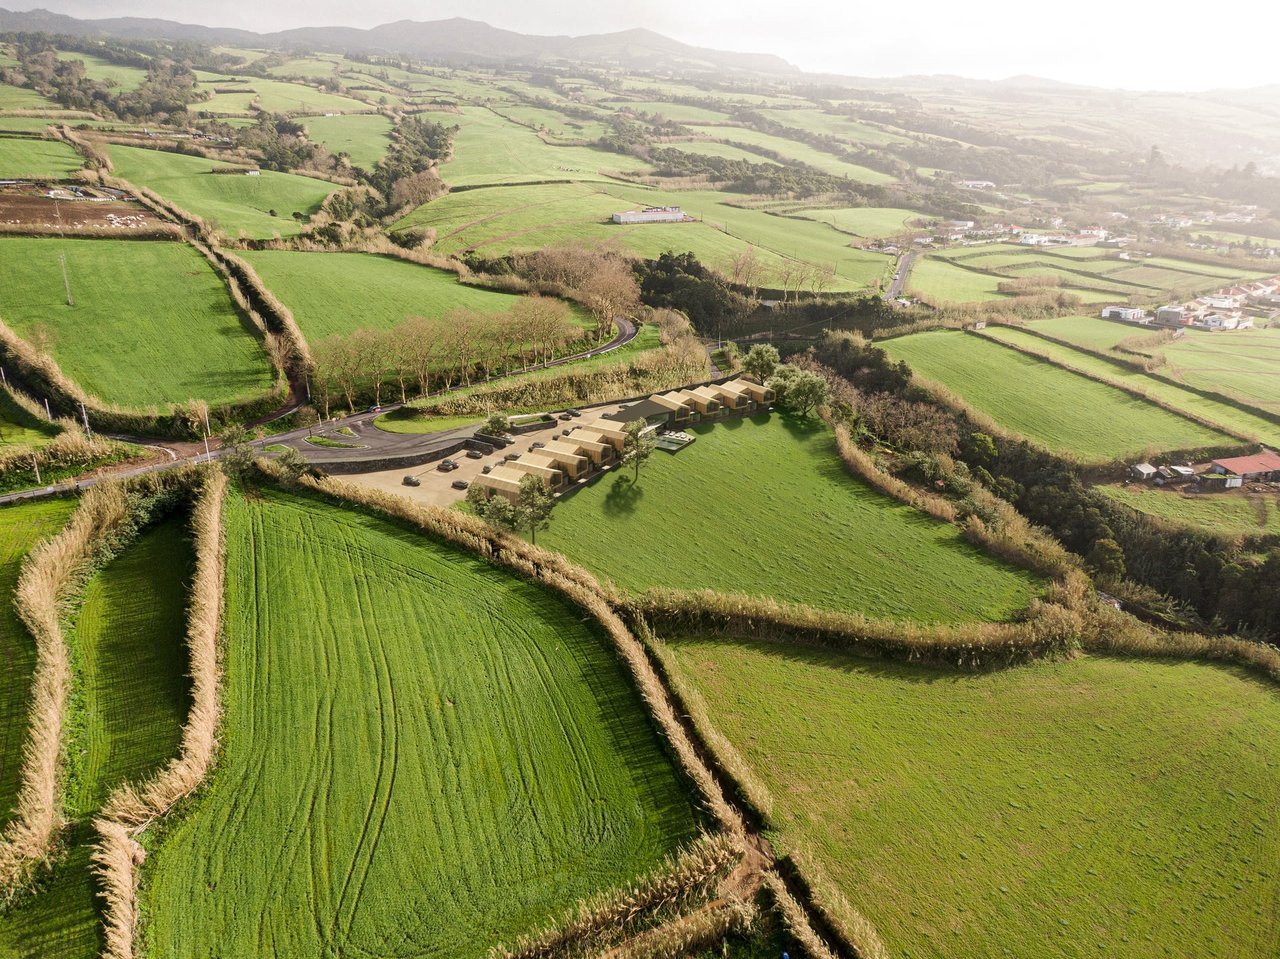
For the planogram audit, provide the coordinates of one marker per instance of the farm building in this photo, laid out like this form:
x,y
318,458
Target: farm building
x,y
1128,314
1172,316
1264,466
1143,471
652,214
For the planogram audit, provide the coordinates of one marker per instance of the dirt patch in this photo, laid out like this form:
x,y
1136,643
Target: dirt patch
x,y
32,206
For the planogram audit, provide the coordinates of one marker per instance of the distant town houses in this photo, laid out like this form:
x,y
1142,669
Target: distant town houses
x,y
1231,308
975,184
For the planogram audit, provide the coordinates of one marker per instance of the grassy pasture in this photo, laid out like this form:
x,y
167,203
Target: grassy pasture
x,y
1091,332
829,124
422,754
123,76
341,292
173,338
711,148
553,123
245,94
235,204
21,527
1215,411
1063,411
1082,808
20,428
20,98
867,221
680,112
803,530
1227,514
795,150
130,703
37,158
948,283
1244,364
364,137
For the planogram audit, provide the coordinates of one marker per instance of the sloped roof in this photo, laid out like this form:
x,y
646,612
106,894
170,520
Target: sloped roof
x,y
1264,462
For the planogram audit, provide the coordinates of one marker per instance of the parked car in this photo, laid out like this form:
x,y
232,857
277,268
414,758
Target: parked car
x,y
447,466
411,481
486,470
375,408
565,416
537,445
573,412
459,484
474,454
511,456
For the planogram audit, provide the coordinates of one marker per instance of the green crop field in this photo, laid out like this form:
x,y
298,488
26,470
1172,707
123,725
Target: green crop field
x,y
364,137
21,527
39,159
765,506
173,338
1227,514
1091,332
130,703
332,293
795,150
1094,807
1063,411
421,753
489,149
233,203
948,283
1224,414
1244,364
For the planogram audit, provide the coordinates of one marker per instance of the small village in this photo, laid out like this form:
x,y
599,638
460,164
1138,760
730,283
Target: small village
x,y
1231,308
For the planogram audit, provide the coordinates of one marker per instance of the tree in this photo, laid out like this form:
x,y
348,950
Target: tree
x,y
293,464
761,360
637,445
611,291
237,455
496,425
799,390
534,506
496,510
1106,559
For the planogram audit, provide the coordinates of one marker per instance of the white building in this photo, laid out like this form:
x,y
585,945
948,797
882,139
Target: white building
x,y
652,214
1130,314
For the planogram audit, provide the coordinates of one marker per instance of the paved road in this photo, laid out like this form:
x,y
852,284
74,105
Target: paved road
x,y
901,274
377,444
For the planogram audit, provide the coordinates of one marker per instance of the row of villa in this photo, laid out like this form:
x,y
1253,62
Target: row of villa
x,y
595,443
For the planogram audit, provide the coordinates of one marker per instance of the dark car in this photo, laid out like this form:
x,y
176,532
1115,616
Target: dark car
x,y
459,484
565,416
536,445
411,481
474,454
447,466
486,470
573,412
375,408
511,456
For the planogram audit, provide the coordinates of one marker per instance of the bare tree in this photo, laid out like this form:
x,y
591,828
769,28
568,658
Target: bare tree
x,y
610,292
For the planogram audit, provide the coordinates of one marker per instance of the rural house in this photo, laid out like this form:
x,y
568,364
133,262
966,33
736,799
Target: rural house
x,y
1264,467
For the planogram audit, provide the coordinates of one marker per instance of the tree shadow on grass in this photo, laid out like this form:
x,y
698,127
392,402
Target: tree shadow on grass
x,y
623,496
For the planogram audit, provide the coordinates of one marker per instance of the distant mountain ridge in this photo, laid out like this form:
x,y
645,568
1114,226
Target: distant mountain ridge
x,y
456,41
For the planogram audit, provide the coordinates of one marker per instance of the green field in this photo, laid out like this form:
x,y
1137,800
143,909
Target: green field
x,y
865,221
173,338
1091,332
243,95
795,150
765,506
129,706
37,159
680,112
1094,807
1062,411
235,204
21,527
502,220
121,76
1243,364
20,428
711,148
421,754
20,98
332,293
1227,514
364,137
828,124
1215,411
945,282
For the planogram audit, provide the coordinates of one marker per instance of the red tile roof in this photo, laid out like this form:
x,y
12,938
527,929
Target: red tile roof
x,y
1259,463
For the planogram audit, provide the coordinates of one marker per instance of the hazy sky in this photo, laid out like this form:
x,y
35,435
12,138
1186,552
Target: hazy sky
x,y
1137,44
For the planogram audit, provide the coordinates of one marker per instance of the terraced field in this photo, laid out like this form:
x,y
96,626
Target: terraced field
x,y
332,293
1062,411
765,506
129,708
1244,364
421,754
174,338
37,159
1059,810
945,282
257,206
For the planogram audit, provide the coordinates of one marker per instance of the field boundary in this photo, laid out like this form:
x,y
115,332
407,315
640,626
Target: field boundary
x,y
131,809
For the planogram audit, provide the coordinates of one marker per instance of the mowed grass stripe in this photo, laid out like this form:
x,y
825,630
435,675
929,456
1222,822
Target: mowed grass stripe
x,y
765,506
422,754
1062,411
21,527
1094,807
130,703
172,338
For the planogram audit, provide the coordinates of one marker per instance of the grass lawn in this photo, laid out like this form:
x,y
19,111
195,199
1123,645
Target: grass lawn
x,y
1226,514
765,506
422,754
332,293
169,339
129,708
1215,411
1062,411
21,527
36,158
364,137
945,282
1096,807
235,204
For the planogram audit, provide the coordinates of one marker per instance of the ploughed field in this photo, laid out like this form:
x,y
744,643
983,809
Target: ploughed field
x,y
172,338
1054,407
257,206
126,716
765,506
422,754
1094,807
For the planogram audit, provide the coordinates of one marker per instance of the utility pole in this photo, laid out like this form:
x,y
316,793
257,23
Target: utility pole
x,y
47,411
3,379
65,282
36,465
85,416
